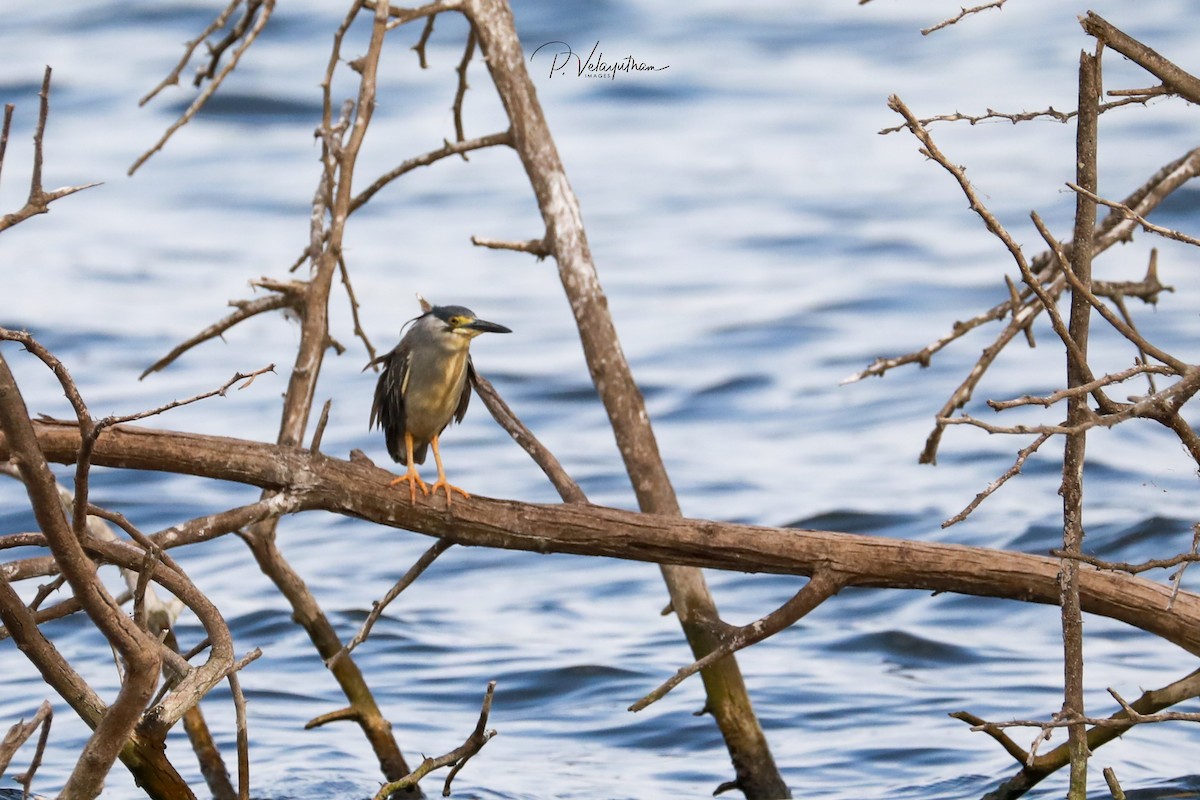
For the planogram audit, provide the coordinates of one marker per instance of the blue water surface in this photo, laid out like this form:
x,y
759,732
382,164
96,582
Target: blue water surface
x,y
759,242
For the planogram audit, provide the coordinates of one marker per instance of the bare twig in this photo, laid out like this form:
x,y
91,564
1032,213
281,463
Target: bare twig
x,y
419,47
461,92
1022,456
963,13
401,16
243,734
538,247
1083,388
319,432
189,49
358,328
238,377
447,149
456,758
9,108
264,7
414,572
1125,566
1114,786
39,199
18,734
991,115
820,587
1129,213
996,732
287,295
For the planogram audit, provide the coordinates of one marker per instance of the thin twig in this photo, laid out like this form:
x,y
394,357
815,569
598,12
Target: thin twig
x,y
567,488
964,12
18,734
358,328
447,149
39,199
1129,213
238,377
538,247
319,432
819,588
189,48
456,758
1022,455
1084,388
245,310
414,572
419,47
265,9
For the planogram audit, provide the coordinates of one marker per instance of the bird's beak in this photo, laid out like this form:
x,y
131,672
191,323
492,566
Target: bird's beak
x,y
483,326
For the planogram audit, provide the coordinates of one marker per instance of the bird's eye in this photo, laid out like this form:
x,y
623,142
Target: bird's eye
x,y
457,321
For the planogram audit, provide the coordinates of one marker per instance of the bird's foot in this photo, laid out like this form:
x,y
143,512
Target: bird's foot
x,y
441,483
413,480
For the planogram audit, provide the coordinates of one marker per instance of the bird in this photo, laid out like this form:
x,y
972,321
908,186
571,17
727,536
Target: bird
x,y
426,382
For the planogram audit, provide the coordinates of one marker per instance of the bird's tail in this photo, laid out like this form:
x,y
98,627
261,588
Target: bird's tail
x,y
396,450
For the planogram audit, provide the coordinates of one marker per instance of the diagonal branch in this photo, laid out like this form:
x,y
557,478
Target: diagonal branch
x,y
823,585
1176,79
289,294
414,572
264,7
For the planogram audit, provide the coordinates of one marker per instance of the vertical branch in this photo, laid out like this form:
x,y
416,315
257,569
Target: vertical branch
x,y
341,141
728,701
1077,412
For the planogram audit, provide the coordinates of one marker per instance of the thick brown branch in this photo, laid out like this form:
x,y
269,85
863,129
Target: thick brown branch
x,y
364,491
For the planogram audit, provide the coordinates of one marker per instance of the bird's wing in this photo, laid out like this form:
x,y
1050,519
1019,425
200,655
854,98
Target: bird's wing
x,y
468,387
388,408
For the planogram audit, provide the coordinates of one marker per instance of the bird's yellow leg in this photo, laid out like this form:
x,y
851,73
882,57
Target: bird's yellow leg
x,y
441,481
411,476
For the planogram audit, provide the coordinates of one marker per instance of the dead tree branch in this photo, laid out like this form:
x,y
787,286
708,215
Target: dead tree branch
x,y
456,759
244,33
362,490
39,199
1173,77
18,734
728,700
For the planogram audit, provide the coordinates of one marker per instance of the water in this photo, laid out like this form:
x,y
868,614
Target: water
x,y
758,240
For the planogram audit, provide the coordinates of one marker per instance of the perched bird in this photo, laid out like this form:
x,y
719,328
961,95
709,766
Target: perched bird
x,y
426,382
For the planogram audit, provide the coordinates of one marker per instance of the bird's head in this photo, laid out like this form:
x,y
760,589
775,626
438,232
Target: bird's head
x,y
458,321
